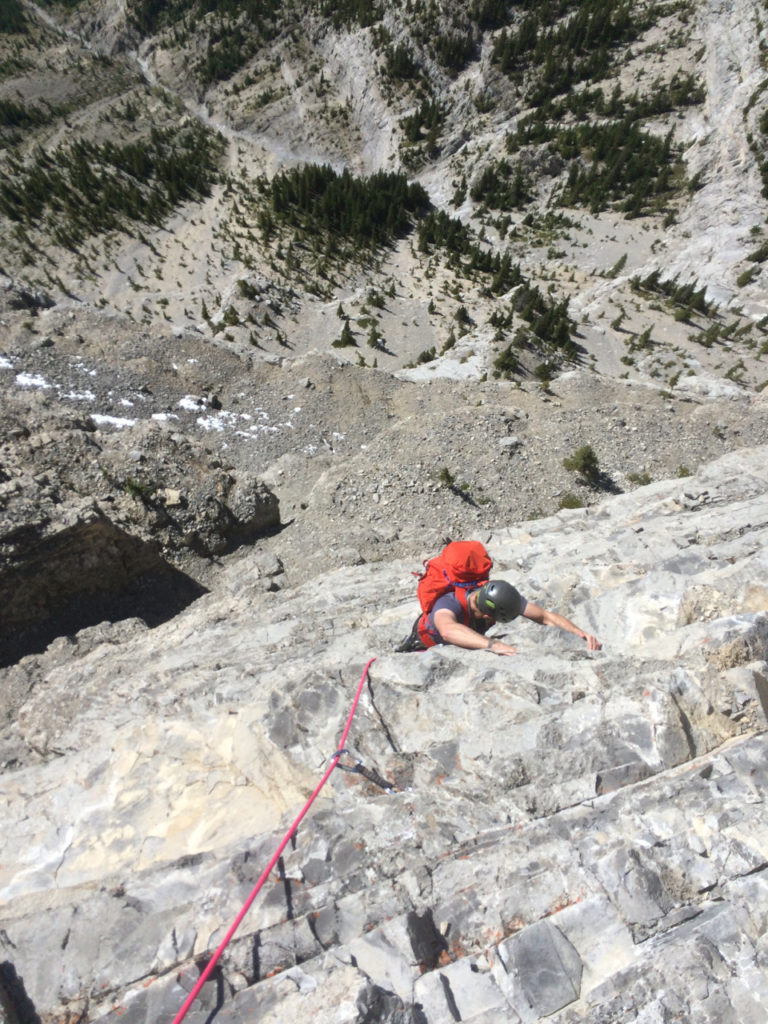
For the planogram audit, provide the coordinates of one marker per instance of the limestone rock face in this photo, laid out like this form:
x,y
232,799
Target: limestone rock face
x,y
565,835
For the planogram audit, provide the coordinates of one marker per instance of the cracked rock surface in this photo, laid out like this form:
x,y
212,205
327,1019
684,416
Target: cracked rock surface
x,y
568,835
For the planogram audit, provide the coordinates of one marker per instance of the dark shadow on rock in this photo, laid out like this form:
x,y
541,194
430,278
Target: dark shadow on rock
x,y
427,943
450,999
287,889
219,979
89,573
375,1005
267,531
464,495
15,1005
605,483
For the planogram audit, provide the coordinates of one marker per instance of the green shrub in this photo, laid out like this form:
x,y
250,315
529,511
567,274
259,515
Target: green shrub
x,y
365,212
687,296
584,462
454,50
375,338
12,19
247,290
400,63
617,268
747,277
424,126
347,339
556,54
506,363
138,489
351,12
19,115
570,500
759,255
501,189
82,188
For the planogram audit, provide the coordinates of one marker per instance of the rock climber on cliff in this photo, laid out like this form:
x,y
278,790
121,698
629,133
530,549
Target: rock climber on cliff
x,y
495,601
459,603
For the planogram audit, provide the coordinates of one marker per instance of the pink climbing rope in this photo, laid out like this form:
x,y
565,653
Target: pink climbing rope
x,y
275,857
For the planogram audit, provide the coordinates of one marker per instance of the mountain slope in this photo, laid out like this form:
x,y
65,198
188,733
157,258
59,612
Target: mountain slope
x,y
289,296
212,288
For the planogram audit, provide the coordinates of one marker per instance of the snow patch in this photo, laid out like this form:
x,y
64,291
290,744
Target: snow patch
x,y
79,396
31,380
190,403
111,421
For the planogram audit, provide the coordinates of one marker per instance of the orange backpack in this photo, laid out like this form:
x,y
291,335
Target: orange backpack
x,y
461,566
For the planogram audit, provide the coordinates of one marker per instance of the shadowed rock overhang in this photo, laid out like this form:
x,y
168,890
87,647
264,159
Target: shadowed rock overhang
x,y
81,575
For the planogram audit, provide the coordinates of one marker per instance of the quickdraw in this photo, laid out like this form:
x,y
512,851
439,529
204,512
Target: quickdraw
x,y
360,769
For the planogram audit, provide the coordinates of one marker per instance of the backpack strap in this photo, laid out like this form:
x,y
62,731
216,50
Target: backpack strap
x,y
428,635
462,588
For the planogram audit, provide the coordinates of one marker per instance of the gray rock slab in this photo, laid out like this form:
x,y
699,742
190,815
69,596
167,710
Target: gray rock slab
x,y
545,965
465,990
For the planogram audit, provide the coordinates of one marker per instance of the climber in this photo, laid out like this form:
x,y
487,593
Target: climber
x,y
495,601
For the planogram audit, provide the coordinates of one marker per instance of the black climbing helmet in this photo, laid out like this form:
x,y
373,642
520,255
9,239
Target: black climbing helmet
x,y
499,599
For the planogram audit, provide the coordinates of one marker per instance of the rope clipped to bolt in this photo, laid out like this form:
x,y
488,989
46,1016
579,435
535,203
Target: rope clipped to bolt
x,y
360,769
283,843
